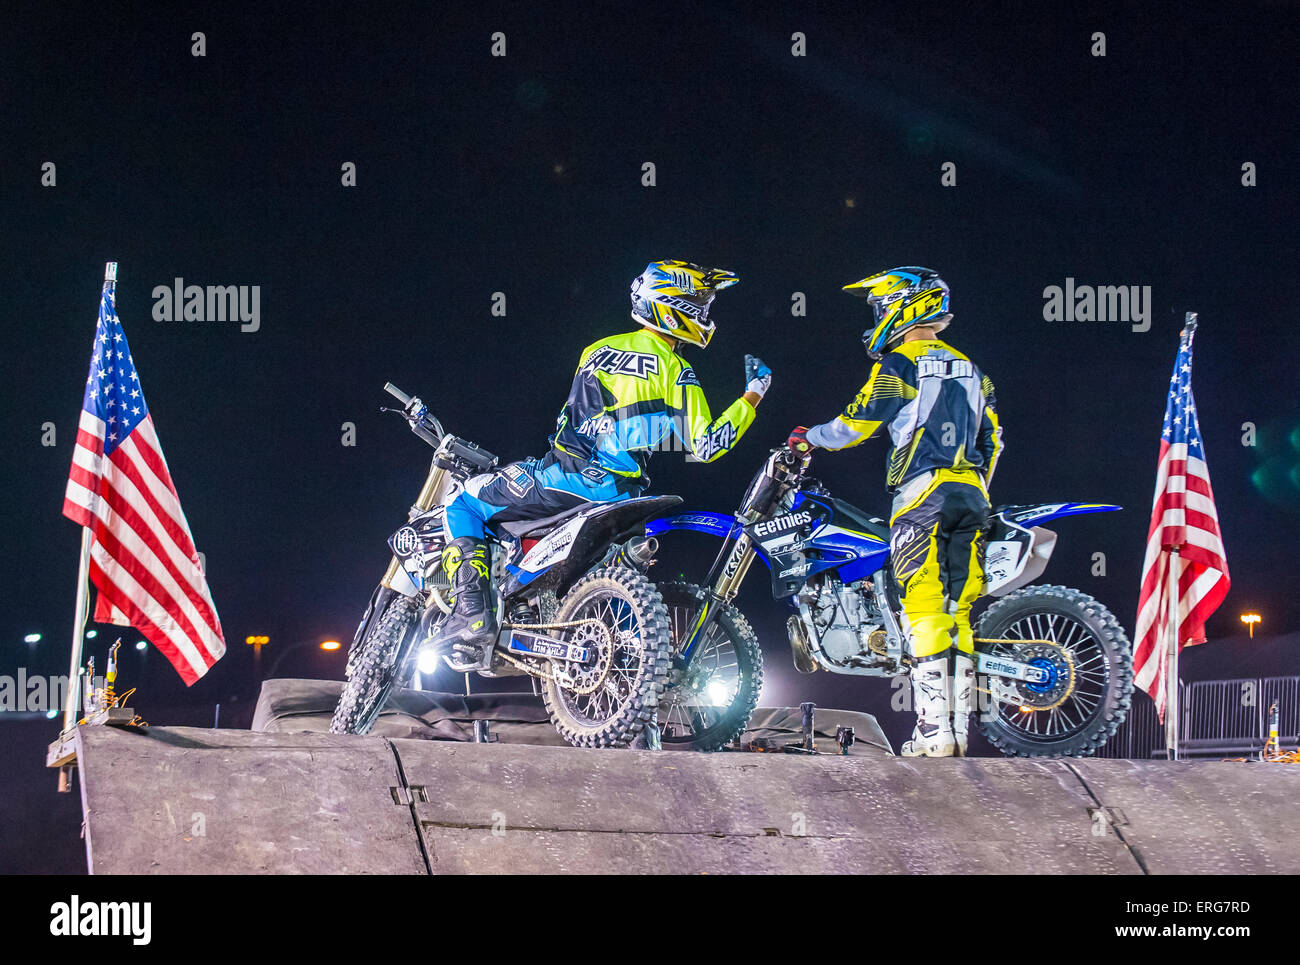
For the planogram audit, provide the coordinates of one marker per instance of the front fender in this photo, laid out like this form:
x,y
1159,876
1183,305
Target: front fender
x,y
721,525
715,524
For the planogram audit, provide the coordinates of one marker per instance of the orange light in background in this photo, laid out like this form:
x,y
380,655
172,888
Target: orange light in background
x,y
1250,619
330,645
257,641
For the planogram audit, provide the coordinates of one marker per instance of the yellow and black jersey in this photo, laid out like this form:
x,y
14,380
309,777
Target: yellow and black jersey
x,y
937,406
633,394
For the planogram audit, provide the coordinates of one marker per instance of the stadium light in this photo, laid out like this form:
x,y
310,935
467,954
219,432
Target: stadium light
x,y
32,638
258,641
140,644
1250,619
91,634
330,645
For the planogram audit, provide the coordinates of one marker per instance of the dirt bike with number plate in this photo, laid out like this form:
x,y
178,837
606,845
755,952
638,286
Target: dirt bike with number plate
x,y
1054,667
575,610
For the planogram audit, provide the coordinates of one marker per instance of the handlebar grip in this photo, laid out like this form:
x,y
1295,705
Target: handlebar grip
x,y
424,434
397,393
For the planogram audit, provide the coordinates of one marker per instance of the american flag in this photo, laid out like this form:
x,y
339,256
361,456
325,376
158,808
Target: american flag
x,y
142,557
1182,516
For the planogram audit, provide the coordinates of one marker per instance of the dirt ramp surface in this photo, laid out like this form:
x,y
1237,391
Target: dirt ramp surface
x,y
185,800
190,800
492,809
289,706
1201,817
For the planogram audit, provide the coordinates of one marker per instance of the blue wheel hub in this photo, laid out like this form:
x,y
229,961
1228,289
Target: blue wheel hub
x,y
1053,675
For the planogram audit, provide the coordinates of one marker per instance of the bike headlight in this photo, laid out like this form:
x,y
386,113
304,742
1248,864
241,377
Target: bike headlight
x,y
427,661
718,693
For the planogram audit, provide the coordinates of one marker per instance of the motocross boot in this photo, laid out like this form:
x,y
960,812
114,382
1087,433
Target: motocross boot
x,y
932,701
472,621
963,698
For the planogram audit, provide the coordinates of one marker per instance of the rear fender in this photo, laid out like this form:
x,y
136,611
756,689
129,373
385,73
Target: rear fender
x,y
1028,516
1019,547
569,550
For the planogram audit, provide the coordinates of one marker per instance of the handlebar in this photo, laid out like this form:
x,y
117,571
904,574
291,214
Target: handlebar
x,y
461,457
424,425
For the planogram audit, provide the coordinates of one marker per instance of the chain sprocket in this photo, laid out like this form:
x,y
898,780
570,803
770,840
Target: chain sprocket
x,y
1027,651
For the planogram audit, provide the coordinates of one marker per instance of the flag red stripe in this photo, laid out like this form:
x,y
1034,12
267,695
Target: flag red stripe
x,y
1183,515
141,544
122,505
144,575
151,631
178,533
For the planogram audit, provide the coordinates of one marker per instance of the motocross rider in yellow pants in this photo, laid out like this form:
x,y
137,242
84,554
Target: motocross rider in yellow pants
x,y
940,412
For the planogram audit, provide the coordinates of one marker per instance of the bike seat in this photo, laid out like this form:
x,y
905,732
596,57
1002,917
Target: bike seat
x,y
535,528
616,516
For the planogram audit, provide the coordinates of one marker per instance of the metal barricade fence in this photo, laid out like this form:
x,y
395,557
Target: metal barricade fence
x,y
1220,718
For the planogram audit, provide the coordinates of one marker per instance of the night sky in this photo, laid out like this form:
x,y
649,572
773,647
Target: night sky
x,y
523,175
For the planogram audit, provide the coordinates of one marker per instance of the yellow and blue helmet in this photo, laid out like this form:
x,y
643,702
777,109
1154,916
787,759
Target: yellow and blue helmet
x,y
673,297
901,298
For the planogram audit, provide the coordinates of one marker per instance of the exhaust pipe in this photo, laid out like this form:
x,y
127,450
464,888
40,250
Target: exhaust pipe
x,y
637,553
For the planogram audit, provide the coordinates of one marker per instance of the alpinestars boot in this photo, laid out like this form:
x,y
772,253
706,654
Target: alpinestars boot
x,y
932,701
963,698
472,621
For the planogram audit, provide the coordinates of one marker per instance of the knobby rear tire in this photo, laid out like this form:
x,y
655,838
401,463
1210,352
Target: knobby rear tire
x,y
640,600
1010,730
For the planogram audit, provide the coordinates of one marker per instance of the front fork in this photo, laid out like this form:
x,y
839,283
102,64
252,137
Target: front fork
x,y
721,592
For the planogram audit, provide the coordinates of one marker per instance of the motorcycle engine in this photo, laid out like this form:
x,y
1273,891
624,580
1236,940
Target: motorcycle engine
x,y
844,621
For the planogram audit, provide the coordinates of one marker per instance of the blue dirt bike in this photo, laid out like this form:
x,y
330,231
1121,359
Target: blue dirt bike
x,y
1054,667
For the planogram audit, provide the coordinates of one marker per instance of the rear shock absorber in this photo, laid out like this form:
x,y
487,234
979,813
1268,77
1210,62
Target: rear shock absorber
x,y
522,615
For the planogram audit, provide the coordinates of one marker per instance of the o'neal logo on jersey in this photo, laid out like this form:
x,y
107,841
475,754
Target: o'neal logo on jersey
x,y
597,425
719,440
688,377
639,365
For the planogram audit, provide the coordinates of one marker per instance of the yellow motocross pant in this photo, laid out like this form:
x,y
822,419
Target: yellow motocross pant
x,y
937,534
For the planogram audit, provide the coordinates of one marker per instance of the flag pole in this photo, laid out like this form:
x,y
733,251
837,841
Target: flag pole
x,y
1172,710
83,590
78,632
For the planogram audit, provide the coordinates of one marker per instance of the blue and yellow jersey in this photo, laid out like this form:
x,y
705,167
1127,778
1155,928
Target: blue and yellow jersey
x,y
938,407
633,394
